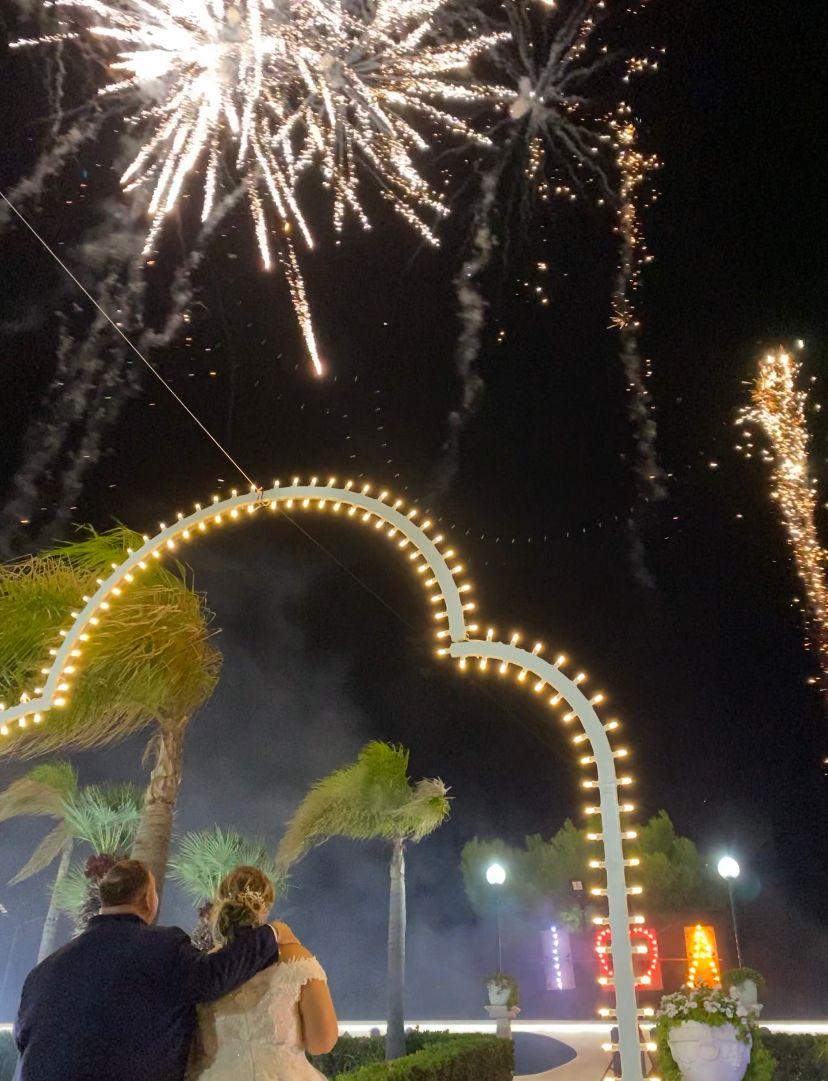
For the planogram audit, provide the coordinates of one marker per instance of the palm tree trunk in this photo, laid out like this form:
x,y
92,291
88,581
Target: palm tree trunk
x,y
50,924
152,838
395,1032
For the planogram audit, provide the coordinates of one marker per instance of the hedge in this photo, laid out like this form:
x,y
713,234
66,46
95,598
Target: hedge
x,y
351,1052
799,1057
8,1056
455,1058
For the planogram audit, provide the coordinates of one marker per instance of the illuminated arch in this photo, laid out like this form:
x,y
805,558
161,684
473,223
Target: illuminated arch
x,y
457,632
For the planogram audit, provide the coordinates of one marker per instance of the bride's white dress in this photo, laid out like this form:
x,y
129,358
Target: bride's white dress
x,y
255,1034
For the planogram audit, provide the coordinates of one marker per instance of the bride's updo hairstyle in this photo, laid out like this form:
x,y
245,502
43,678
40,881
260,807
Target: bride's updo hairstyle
x,y
242,897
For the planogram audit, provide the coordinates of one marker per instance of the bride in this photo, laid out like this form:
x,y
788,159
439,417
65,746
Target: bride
x,y
262,1031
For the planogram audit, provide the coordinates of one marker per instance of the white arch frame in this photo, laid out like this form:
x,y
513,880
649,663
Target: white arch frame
x,y
454,633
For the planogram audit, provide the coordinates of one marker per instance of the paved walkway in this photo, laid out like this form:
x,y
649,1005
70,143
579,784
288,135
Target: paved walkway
x,y
590,1062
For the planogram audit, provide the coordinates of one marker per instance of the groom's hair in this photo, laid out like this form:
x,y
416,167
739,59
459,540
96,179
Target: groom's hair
x,y
124,883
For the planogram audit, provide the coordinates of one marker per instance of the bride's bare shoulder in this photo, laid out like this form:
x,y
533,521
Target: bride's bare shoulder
x,y
292,951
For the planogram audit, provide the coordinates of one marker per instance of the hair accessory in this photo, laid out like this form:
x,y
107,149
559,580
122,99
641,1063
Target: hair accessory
x,y
251,898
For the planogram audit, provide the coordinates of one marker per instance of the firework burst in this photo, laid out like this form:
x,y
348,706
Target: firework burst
x,y
566,134
367,73
272,89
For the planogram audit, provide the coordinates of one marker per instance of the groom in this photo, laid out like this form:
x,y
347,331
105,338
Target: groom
x,y
118,1002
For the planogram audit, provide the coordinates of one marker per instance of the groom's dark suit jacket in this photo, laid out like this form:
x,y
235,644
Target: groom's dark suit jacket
x,y
118,1002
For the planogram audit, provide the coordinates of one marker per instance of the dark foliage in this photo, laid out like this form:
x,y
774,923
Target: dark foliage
x,y
799,1057
8,1056
432,1056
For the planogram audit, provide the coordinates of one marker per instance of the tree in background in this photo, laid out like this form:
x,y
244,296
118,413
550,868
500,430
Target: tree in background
x,y
538,872
150,663
44,791
200,862
672,872
103,817
369,800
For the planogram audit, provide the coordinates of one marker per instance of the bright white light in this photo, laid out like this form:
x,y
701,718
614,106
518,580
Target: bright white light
x,y
728,867
496,874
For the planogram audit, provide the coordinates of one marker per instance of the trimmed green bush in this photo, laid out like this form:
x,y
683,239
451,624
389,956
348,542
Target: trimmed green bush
x,y
8,1056
457,1058
799,1056
353,1052
350,1053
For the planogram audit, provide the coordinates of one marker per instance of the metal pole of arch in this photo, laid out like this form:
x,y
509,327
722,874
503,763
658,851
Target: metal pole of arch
x,y
626,1006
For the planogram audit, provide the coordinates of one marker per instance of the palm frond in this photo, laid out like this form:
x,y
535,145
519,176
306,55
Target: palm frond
x,y
105,817
40,792
428,809
150,661
94,553
370,799
48,850
202,860
71,891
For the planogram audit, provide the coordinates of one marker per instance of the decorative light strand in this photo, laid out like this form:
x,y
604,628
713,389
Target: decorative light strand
x,y
434,561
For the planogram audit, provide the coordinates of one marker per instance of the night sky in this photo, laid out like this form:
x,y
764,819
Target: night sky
x,y
325,639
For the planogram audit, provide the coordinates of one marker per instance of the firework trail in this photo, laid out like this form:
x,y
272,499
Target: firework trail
x,y
90,383
472,307
563,143
633,168
51,164
94,378
778,406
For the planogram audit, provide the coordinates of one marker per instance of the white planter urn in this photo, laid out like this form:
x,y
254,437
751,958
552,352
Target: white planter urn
x,y
498,994
747,993
709,1052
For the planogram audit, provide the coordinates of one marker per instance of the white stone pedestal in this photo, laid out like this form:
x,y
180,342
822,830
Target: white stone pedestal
x,y
504,1017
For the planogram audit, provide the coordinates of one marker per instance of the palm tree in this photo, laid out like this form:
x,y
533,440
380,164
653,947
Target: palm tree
x,y
201,861
103,817
150,663
373,798
43,791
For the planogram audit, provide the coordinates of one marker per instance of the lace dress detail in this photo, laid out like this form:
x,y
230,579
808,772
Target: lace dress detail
x,y
254,1034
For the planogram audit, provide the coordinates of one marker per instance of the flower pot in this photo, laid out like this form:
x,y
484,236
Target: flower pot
x,y
498,993
708,1052
747,992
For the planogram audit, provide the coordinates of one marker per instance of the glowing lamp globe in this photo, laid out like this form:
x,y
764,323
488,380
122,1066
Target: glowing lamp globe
x,y
728,867
495,874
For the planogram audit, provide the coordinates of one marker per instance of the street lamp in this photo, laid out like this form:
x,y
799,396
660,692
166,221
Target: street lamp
x,y
496,876
729,869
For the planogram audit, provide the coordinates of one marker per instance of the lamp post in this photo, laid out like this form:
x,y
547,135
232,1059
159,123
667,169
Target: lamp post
x,y
728,868
496,876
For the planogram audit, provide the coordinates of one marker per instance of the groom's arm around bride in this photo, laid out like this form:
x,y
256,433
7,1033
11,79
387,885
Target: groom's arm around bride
x,y
118,1002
